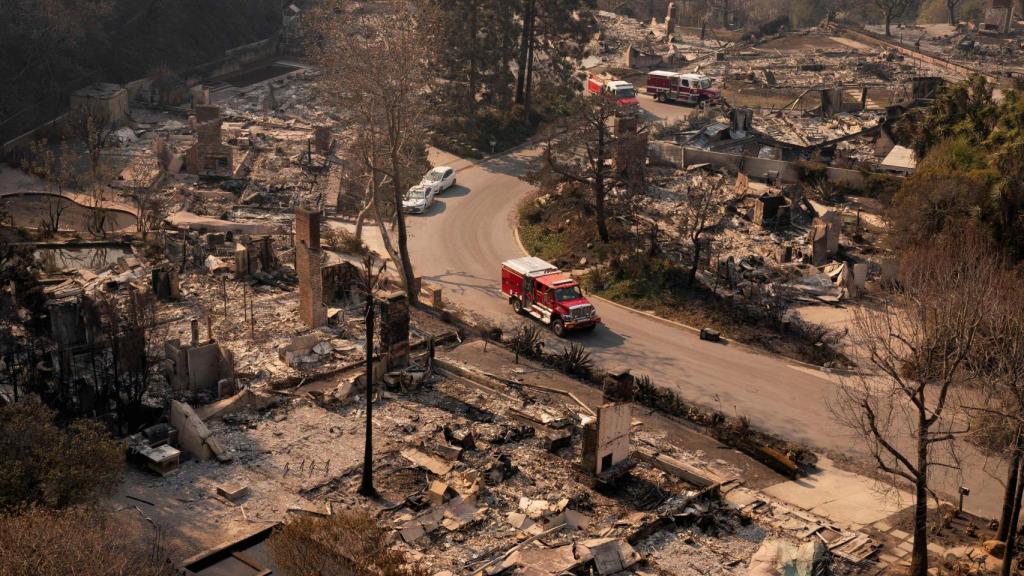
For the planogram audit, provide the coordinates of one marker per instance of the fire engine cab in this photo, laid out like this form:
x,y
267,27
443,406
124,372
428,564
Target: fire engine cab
x,y
623,92
539,289
676,87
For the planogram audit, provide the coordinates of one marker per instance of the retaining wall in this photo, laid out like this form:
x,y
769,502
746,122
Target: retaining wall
x,y
749,165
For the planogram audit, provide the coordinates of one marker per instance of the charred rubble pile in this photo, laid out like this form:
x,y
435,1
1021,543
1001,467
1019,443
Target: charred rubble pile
x,y
477,476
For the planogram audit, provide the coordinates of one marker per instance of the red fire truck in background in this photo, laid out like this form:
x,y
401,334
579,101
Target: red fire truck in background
x,y
541,290
676,87
623,92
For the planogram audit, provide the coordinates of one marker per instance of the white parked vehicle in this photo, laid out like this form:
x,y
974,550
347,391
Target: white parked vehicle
x,y
418,199
440,179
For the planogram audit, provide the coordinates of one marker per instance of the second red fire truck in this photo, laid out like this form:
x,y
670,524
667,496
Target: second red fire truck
x,y
676,87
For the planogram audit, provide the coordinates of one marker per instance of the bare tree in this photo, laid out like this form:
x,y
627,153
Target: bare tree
x,y
1000,405
374,65
124,349
59,171
582,151
893,9
93,131
919,345
361,215
699,212
143,176
377,197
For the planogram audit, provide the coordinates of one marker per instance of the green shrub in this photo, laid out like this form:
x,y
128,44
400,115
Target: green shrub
x,y
527,340
44,464
574,360
882,186
472,135
809,172
532,213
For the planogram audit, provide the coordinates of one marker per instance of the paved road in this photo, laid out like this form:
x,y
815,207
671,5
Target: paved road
x,y
664,111
461,242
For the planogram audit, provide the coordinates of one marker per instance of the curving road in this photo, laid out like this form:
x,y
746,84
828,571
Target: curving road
x,y
460,244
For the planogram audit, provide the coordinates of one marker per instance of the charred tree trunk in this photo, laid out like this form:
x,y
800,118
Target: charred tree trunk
x,y
1011,534
919,553
505,95
696,262
524,52
474,57
403,236
366,486
599,208
527,70
529,79
599,186
1012,479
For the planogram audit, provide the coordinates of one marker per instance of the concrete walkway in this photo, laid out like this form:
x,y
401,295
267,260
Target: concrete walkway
x,y
849,499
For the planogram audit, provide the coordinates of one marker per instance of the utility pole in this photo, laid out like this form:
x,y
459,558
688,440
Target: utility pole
x,y
366,487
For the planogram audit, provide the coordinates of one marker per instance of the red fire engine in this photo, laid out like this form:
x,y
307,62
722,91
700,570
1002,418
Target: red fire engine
x,y
690,88
623,92
539,289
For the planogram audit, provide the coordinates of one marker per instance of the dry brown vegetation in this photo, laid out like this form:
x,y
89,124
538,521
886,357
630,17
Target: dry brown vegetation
x,y
79,540
350,542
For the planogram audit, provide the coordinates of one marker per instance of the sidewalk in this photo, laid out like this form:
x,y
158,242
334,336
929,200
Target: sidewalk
x,y
846,498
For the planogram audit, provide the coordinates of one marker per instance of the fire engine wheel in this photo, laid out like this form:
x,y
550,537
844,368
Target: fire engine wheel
x,y
558,328
517,305
659,97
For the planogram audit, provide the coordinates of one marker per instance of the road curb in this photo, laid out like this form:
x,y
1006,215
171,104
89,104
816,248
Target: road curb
x,y
747,347
647,314
515,233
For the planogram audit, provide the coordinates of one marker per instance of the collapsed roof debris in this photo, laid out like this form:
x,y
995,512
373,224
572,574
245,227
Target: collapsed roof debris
x,y
500,498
